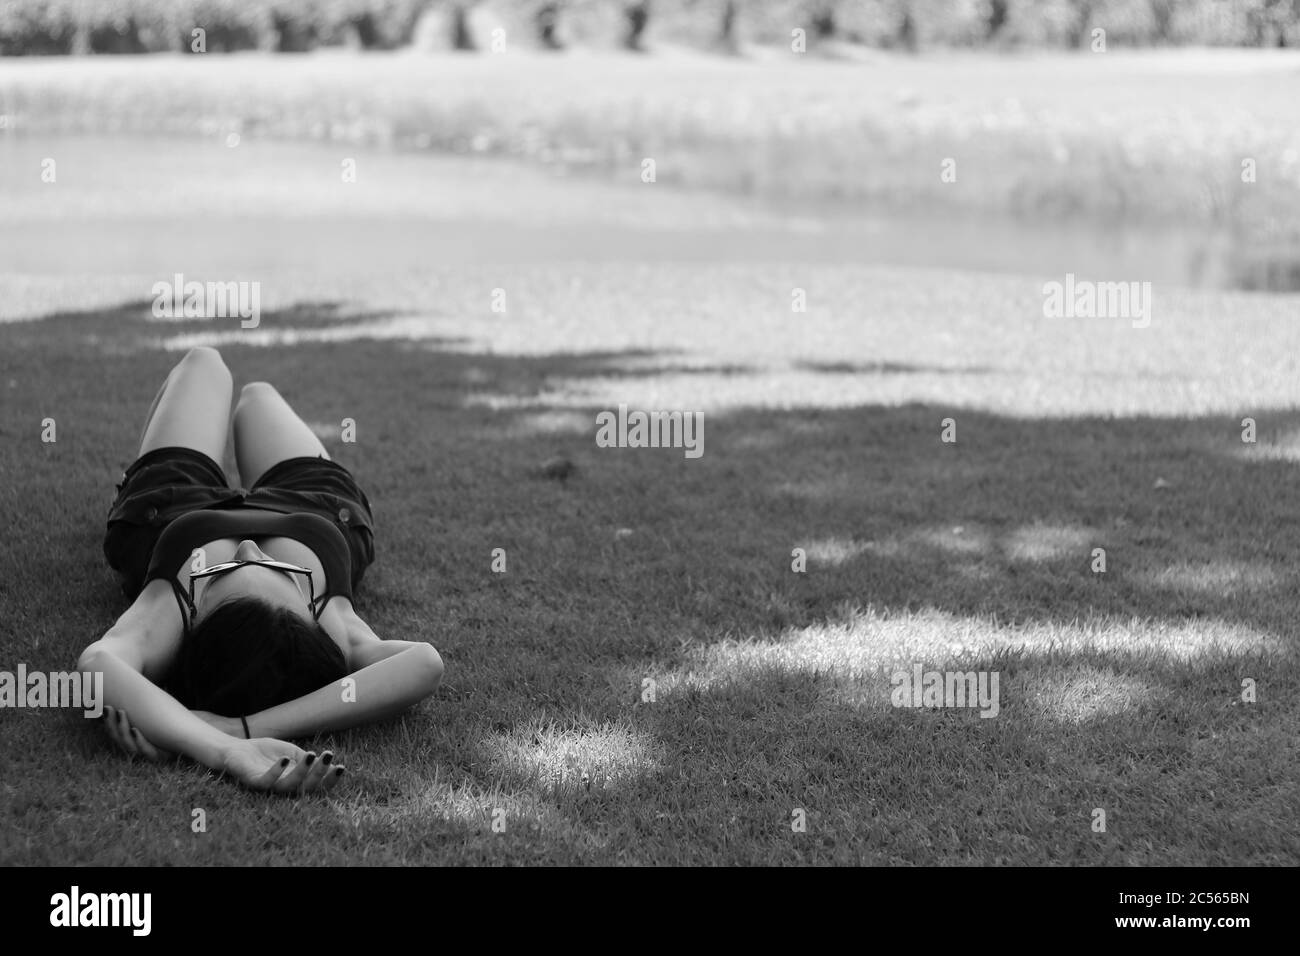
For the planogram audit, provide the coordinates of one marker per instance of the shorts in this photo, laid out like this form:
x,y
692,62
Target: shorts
x,y
163,484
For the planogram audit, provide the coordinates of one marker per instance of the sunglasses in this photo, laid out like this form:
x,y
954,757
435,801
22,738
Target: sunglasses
x,y
226,567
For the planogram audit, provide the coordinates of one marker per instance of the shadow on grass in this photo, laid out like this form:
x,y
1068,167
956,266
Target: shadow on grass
x,y
769,689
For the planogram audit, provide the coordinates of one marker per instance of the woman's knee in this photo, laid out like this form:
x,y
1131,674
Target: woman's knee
x,y
255,390
204,356
205,363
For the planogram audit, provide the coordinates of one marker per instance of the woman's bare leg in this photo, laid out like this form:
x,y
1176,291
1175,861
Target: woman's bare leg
x,y
192,409
267,431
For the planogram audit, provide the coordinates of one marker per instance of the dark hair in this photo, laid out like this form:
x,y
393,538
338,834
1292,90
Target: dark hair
x,y
246,655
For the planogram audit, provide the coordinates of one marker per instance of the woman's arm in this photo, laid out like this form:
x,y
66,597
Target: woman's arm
x,y
142,642
161,718
141,707
394,675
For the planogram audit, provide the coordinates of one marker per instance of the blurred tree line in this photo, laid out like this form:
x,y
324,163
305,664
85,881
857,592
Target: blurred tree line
x,y
138,26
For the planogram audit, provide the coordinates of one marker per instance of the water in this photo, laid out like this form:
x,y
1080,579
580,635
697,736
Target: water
x,y
155,206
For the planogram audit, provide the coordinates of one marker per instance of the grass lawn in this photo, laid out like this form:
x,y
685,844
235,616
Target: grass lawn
x,y
1120,691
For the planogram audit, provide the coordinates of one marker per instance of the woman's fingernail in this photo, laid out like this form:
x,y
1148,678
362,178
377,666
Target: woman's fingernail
x,y
284,761
311,759
338,771
327,758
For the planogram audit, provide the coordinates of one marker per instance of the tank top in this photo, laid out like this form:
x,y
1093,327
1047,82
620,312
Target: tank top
x,y
176,545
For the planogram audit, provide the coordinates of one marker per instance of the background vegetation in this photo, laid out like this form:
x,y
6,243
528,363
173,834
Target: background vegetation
x,y
139,26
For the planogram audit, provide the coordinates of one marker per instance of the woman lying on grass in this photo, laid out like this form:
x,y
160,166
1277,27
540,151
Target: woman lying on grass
x,y
242,629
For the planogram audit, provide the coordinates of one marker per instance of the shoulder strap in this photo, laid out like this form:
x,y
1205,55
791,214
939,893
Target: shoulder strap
x,y
183,601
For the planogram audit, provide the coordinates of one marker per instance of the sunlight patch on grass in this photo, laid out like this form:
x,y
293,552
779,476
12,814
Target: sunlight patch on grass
x,y
414,801
531,424
864,647
582,757
1220,577
1032,543
1044,542
959,540
669,345
1283,446
834,551
503,403
265,335
767,384
1083,693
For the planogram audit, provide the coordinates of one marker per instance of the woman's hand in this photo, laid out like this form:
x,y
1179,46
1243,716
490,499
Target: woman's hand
x,y
265,763
262,763
129,740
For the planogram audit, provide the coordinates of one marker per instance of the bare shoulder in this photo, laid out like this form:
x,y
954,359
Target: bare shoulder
x,y
347,628
149,631
362,647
